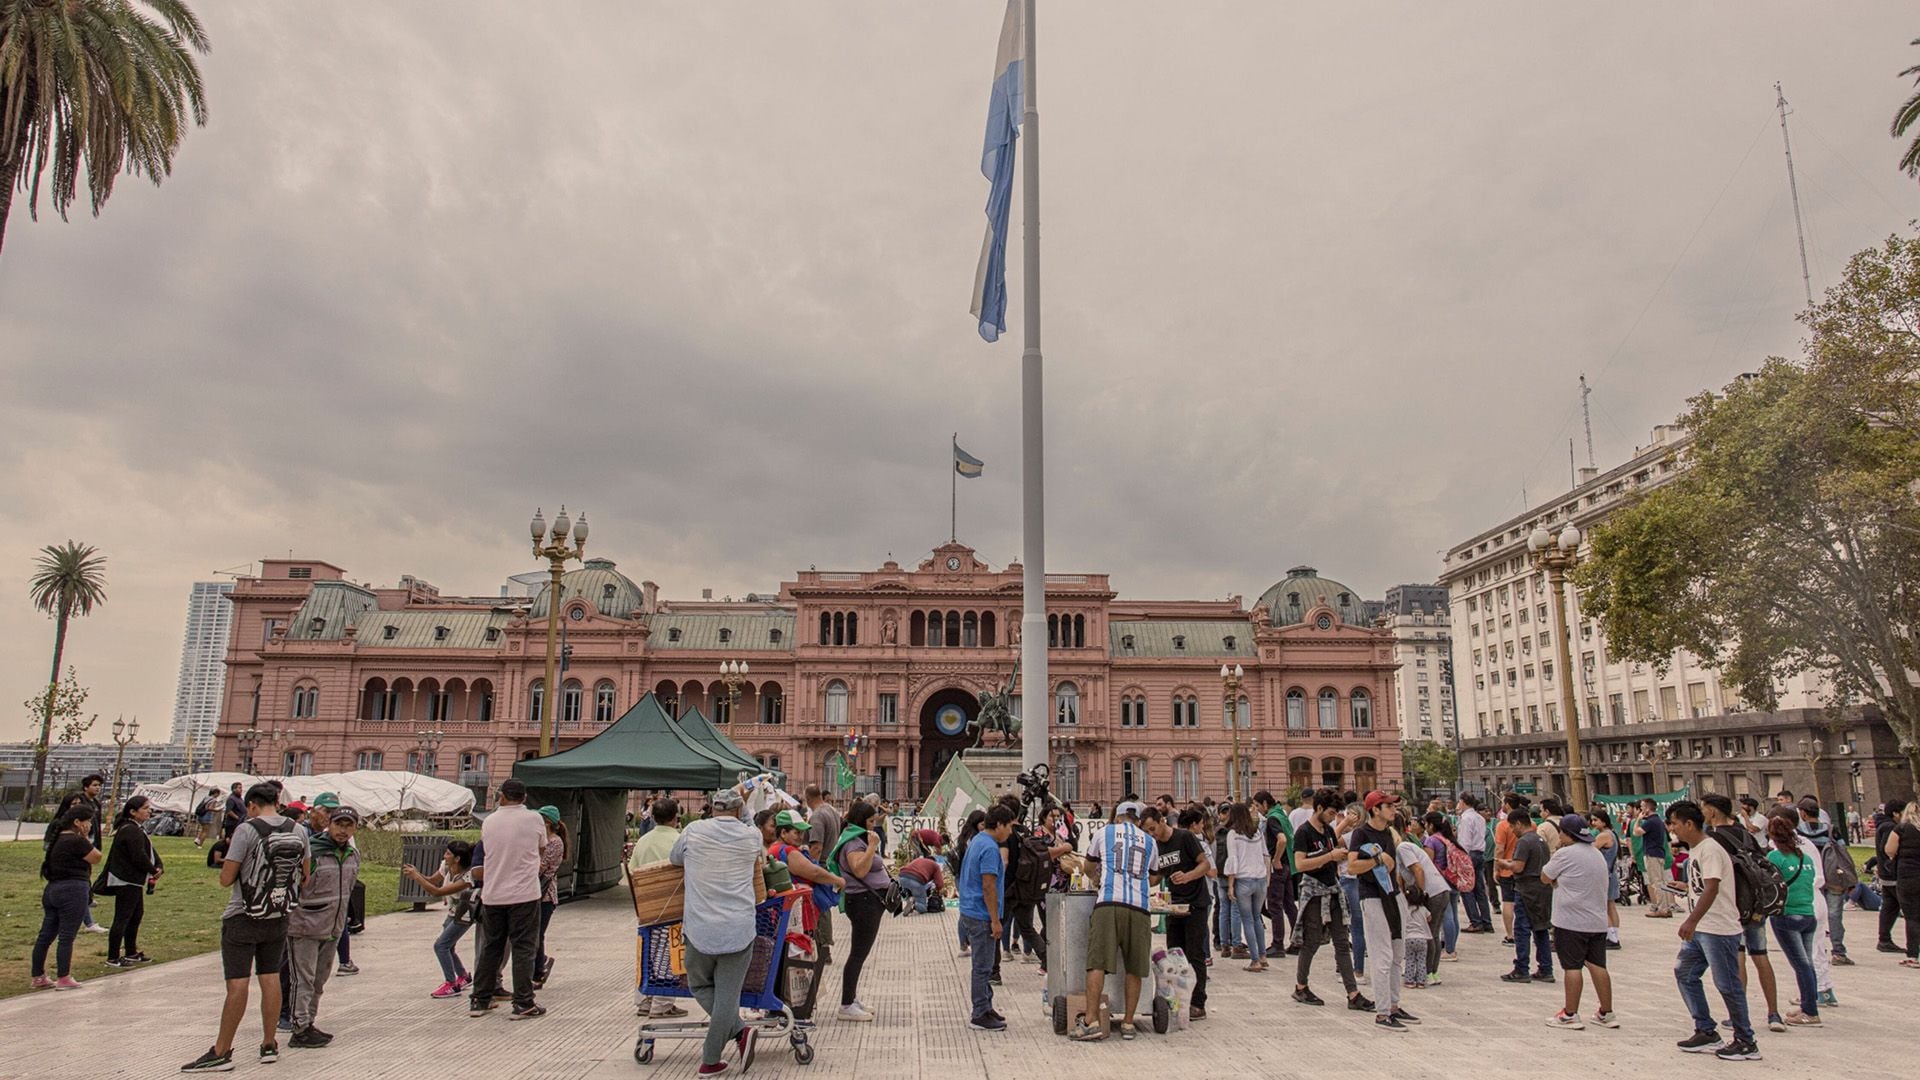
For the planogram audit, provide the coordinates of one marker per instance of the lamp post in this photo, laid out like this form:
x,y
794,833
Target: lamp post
x,y
733,673
1660,751
554,548
430,740
1813,752
1230,678
1556,556
123,734
247,738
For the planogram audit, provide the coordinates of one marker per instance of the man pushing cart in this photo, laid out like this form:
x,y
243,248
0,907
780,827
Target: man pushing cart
x,y
725,951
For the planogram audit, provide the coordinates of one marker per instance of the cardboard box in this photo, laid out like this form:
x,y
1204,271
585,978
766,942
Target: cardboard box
x,y
659,892
1077,1006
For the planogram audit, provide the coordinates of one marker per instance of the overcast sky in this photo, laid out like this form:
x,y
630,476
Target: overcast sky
x,y
1319,282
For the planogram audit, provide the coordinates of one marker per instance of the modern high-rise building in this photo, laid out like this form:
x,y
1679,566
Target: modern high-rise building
x,y
1417,615
203,668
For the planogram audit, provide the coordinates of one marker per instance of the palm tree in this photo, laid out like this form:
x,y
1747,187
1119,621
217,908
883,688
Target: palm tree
x,y
1905,117
68,580
98,80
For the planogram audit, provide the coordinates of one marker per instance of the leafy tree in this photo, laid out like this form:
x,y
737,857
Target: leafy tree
x,y
1904,118
1790,542
68,579
68,707
1429,764
93,81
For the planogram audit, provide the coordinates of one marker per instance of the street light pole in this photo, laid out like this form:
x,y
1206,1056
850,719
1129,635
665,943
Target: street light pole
x,y
430,740
732,672
1813,754
1230,678
1556,557
123,734
246,739
555,549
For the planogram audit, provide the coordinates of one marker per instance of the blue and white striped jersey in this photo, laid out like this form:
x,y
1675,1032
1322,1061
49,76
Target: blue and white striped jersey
x,y
1126,854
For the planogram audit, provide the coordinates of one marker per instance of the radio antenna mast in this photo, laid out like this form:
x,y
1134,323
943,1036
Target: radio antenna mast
x,y
1586,414
1793,186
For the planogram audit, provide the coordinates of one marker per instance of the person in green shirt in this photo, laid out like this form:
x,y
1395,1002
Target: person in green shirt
x,y
1794,927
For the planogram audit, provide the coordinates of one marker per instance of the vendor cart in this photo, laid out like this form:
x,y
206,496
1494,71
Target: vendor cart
x,y
662,952
1069,915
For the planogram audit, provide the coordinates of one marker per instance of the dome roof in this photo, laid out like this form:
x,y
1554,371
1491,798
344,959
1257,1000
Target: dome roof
x,y
611,592
1302,590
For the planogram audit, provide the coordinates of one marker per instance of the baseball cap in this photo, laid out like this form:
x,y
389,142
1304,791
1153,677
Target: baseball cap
x,y
295,807
726,799
1129,808
1574,827
1377,798
788,819
326,799
551,813
347,814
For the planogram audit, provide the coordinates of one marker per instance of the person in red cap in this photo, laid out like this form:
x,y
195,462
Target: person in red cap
x,y
1370,862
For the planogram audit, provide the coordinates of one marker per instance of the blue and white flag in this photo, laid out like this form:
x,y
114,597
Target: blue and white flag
x,y
963,463
1004,110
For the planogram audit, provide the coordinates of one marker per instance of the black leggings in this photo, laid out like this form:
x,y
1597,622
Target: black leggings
x,y
1908,893
863,911
129,907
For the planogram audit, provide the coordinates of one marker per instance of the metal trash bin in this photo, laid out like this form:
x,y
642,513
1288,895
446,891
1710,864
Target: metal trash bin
x,y
1069,918
422,851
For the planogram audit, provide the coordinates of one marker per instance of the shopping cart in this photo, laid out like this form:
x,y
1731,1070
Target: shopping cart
x,y
660,945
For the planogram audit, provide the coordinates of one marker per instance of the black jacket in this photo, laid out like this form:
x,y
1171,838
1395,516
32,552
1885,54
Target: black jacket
x,y
132,858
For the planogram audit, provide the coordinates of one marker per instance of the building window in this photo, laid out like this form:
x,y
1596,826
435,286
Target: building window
x,y
1179,643
296,763
1126,644
300,571
440,633
306,702
389,631
1066,778
603,702
773,636
1186,711
1296,709
726,635
837,703
1186,779
773,707
473,766
889,709
1300,773
536,700
1133,777
1066,704
439,706
1243,713
769,762
673,633
571,694
1362,708
1329,710
370,759
970,630
1333,773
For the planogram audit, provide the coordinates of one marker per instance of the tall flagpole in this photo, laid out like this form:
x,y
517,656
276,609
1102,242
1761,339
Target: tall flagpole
x,y
953,489
1035,687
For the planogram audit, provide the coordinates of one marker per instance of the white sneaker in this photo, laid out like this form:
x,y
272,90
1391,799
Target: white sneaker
x,y
855,1013
96,928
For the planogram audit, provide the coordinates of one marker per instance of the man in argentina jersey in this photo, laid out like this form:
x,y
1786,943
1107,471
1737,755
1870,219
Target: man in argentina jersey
x,y
1121,936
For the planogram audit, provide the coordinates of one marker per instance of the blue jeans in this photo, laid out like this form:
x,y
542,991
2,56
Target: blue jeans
x,y
450,934
1249,896
1721,954
1524,932
63,904
1450,924
917,889
1795,935
980,936
1229,917
1478,912
1357,932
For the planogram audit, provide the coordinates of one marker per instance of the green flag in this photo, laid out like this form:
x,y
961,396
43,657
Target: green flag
x,y
843,774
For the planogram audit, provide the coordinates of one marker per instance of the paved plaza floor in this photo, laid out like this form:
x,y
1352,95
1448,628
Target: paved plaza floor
x,y
145,1023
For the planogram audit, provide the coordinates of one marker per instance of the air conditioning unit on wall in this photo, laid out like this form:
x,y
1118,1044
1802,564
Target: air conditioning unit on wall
x,y
1726,753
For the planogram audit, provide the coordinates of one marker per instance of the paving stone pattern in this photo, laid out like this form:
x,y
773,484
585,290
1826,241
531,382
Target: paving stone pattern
x,y
145,1023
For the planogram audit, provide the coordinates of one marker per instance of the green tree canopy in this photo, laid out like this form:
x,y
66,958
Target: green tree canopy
x,y
1790,542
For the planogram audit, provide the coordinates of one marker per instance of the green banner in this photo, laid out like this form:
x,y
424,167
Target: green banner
x,y
1658,800
843,773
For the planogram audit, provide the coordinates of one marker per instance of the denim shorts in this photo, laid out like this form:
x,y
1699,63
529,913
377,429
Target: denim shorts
x,y
1754,938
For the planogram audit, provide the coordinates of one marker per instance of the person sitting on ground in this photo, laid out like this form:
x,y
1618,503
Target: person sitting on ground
x,y
454,880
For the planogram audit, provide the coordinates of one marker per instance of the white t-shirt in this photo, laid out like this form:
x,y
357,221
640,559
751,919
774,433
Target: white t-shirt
x,y
1298,815
1709,861
1412,854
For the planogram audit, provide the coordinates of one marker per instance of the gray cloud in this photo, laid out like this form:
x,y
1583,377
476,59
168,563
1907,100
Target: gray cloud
x,y
1318,285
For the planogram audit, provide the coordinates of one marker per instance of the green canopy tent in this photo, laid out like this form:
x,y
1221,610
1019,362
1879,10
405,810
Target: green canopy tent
x,y
644,750
694,723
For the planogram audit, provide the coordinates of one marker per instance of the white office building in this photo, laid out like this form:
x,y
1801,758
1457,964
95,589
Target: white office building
x,y
1422,701
203,669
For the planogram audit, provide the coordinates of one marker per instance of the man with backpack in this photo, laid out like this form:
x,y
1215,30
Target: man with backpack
x,y
1753,874
1035,857
1836,864
265,865
320,919
1711,935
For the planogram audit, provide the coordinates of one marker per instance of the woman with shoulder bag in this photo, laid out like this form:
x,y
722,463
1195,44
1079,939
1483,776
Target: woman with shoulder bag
x,y
855,857
67,868
132,864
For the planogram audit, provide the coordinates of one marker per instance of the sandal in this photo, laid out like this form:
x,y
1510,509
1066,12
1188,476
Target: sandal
x,y
1083,1033
1910,963
1127,1032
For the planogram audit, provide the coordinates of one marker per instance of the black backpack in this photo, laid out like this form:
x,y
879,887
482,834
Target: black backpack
x,y
1031,870
1837,863
270,878
1759,891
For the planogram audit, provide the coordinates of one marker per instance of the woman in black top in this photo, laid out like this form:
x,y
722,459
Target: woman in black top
x,y
68,869
131,864
1903,851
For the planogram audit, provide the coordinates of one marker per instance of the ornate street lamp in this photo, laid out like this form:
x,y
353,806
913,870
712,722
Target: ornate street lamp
x,y
554,548
733,673
1230,678
1813,753
429,740
247,738
1659,751
123,734
1556,556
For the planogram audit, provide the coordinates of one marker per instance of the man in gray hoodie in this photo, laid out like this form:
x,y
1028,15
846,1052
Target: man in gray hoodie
x,y
318,920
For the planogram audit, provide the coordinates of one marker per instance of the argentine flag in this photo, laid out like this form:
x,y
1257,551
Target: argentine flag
x,y
1004,110
963,463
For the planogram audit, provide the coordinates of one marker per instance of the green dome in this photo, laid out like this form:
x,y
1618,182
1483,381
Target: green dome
x,y
611,592
1302,590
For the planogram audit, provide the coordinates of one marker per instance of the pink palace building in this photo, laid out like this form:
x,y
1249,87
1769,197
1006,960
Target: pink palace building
x,y
325,675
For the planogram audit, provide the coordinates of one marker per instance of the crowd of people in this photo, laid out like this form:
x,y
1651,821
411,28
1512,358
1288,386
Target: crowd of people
x,y
1391,889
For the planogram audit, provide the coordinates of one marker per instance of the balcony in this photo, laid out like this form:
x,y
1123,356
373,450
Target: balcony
x,y
474,779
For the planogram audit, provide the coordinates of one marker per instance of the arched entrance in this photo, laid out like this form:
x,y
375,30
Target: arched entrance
x,y
945,718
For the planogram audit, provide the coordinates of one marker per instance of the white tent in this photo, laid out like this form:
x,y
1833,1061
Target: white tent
x,y
371,792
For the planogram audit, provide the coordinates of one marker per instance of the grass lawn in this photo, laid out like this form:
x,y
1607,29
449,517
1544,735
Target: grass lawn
x,y
182,917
